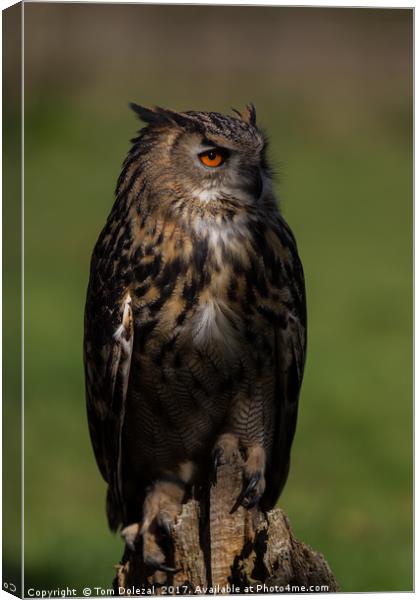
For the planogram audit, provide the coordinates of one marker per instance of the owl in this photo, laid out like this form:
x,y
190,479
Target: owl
x,y
195,324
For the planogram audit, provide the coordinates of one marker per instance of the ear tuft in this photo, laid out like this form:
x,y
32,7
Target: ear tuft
x,y
150,115
157,115
248,114
147,115
251,114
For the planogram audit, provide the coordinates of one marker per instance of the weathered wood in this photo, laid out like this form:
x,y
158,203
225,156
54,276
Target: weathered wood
x,y
247,551
228,533
188,552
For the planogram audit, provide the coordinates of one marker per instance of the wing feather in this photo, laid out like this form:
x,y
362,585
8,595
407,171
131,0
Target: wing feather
x,y
290,354
107,366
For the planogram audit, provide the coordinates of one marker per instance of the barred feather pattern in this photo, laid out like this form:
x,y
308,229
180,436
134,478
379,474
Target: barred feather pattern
x,y
219,319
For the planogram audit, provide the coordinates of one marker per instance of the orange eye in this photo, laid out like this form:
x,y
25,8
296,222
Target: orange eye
x,y
212,158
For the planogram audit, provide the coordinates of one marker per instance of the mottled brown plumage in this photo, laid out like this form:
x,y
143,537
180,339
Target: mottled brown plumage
x,y
195,323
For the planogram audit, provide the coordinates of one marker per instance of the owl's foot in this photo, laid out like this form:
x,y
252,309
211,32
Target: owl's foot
x,y
253,479
225,450
160,510
155,558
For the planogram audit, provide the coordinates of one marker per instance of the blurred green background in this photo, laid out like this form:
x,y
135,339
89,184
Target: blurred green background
x,y
333,89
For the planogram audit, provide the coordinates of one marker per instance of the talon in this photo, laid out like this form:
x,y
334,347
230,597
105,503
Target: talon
x,y
160,509
244,499
216,455
235,507
167,526
157,566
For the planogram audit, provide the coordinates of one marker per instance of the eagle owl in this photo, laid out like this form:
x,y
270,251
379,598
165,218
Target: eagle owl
x,y
195,323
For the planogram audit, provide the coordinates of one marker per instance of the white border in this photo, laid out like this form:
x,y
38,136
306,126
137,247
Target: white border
x,y
396,4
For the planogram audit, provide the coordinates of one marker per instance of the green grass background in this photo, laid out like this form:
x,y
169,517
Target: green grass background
x,y
333,91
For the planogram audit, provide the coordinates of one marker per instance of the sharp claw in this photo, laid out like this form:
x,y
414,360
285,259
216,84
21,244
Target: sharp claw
x,y
157,566
244,493
217,454
167,527
235,506
252,483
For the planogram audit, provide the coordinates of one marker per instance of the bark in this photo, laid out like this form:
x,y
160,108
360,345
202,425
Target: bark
x,y
217,552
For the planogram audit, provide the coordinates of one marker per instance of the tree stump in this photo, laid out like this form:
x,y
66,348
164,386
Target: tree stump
x,y
217,552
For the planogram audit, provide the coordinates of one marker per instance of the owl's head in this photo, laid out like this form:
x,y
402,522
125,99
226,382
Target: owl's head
x,y
206,155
